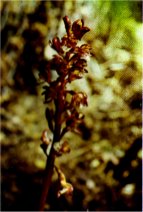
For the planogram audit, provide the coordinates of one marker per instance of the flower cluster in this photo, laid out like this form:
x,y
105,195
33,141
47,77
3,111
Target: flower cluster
x,y
70,64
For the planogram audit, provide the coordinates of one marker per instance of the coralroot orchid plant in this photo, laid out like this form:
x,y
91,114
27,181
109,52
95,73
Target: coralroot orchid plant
x,y
63,112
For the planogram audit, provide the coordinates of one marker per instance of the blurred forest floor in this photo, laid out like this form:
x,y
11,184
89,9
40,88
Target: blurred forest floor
x,y
105,162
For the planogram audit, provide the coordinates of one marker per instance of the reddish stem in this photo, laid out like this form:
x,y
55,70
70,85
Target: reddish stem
x,y
51,158
47,179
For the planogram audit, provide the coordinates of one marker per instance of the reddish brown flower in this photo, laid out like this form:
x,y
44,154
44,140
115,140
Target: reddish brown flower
x,y
78,99
74,31
57,45
67,23
79,29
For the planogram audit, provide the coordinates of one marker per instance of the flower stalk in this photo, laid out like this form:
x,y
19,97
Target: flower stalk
x,y
70,64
